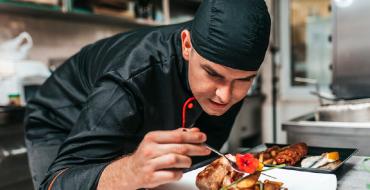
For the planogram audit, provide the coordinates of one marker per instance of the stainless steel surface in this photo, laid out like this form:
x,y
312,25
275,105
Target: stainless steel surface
x,y
329,134
346,111
344,124
351,44
352,175
215,151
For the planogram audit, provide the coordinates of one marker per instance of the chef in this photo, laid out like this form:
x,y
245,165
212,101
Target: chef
x,y
112,116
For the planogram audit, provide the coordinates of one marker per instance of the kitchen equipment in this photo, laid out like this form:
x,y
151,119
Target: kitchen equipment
x,y
17,48
11,52
351,44
328,133
15,69
345,111
346,121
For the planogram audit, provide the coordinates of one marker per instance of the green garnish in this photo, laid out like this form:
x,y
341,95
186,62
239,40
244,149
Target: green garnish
x,y
274,167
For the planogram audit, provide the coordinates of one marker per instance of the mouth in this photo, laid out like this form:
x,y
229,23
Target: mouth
x,y
217,105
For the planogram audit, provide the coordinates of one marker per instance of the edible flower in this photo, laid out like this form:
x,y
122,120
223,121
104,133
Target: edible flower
x,y
248,163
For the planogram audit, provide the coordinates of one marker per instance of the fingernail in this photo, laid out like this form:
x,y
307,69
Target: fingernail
x,y
202,137
207,151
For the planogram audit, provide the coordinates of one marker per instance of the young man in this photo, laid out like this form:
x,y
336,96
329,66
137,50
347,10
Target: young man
x,y
109,117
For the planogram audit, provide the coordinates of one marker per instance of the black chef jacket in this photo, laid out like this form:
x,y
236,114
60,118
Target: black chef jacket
x,y
102,101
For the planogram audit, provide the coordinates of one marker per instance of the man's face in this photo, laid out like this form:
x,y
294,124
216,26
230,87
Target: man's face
x,y
216,87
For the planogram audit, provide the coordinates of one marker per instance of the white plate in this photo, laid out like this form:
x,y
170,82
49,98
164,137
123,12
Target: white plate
x,y
293,180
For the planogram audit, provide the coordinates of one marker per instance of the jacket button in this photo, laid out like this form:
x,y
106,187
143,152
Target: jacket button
x,y
191,105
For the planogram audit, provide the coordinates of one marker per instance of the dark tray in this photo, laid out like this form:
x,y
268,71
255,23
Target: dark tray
x,y
344,155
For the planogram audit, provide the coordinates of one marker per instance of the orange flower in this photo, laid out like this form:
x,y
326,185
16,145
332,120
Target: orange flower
x,y
247,162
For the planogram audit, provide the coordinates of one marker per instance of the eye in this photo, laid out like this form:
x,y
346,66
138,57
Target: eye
x,y
213,74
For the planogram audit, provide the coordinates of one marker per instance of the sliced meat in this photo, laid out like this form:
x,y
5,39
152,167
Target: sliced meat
x,y
217,175
292,154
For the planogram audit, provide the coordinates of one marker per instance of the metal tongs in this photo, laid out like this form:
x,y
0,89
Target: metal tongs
x,y
231,162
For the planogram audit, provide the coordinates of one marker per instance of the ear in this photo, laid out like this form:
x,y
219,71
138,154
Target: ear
x,y
186,44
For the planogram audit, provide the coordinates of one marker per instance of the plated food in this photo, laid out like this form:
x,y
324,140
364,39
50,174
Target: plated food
x,y
219,176
216,175
288,155
327,160
297,155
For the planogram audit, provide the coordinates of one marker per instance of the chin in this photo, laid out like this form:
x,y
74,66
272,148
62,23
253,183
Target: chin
x,y
213,112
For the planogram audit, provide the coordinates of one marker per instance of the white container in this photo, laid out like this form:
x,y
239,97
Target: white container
x,y
12,60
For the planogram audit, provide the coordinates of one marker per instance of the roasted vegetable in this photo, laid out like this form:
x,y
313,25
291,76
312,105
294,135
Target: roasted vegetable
x,y
248,182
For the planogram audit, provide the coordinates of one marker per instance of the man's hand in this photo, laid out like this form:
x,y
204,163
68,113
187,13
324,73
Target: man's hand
x,y
158,160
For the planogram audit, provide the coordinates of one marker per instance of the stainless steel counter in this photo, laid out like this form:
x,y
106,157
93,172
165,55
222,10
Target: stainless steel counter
x,y
352,175
329,134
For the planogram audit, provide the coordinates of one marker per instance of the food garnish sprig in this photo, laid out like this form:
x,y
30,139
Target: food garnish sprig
x,y
249,164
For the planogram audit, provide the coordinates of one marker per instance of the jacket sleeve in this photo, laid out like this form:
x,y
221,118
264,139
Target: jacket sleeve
x,y
104,131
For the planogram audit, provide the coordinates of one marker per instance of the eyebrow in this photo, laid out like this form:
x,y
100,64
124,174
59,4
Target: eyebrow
x,y
248,77
209,69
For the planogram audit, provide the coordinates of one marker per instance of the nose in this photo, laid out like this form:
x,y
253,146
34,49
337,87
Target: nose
x,y
223,93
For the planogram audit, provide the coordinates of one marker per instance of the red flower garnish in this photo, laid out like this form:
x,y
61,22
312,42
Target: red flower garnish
x,y
247,162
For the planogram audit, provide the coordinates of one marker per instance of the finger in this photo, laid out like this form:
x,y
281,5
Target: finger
x,y
182,129
164,176
194,129
169,161
176,137
182,149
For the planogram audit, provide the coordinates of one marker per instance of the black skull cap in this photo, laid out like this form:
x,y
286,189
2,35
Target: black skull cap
x,y
233,33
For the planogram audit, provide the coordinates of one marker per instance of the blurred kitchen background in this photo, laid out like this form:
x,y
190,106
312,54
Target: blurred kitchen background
x,y
313,86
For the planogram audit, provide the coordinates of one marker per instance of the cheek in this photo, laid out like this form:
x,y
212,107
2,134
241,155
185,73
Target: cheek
x,y
201,86
240,91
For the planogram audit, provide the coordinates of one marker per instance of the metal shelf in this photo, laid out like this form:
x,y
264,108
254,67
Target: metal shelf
x,y
55,12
